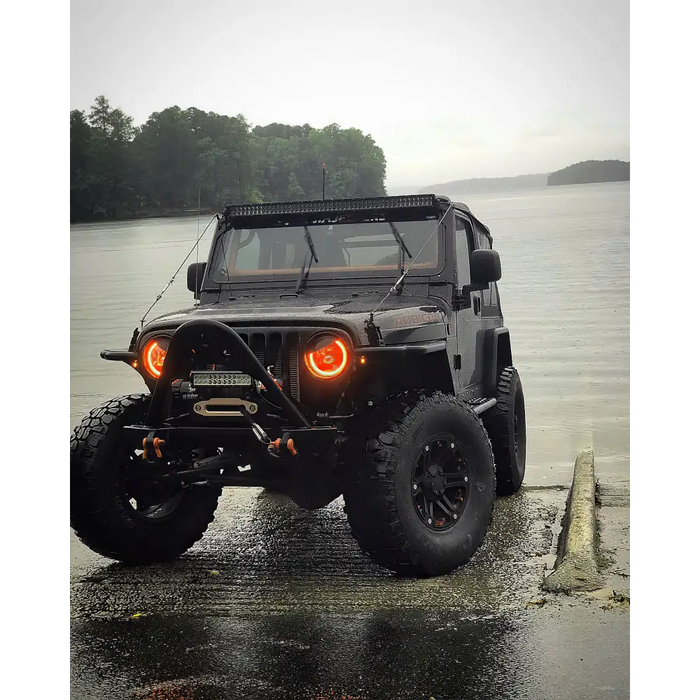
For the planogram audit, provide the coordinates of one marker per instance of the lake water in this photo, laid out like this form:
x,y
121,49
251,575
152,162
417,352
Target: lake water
x,y
565,295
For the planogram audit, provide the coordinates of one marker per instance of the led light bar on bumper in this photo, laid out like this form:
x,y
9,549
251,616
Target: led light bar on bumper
x,y
221,378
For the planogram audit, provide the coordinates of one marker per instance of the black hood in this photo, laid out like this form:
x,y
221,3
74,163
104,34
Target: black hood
x,y
401,318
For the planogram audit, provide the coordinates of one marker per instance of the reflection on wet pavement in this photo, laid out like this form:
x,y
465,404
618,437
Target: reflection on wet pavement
x,y
279,602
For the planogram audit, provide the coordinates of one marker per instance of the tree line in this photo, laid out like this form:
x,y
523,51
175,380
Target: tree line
x,y
118,170
591,171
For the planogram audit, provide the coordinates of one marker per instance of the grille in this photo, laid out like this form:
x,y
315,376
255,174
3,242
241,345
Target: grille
x,y
279,350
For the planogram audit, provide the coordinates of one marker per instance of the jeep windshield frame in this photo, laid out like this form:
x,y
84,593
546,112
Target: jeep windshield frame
x,y
352,246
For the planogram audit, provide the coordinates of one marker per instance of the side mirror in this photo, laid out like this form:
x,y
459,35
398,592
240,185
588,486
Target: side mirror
x,y
195,275
485,268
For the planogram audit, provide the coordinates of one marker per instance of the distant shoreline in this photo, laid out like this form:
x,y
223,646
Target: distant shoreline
x,y
586,172
591,171
487,184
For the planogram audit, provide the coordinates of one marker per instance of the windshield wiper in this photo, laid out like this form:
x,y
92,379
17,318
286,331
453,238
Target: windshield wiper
x,y
305,269
404,251
374,330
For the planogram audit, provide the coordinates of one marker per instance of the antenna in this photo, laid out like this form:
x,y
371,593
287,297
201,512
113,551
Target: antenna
x,y
199,209
323,166
172,279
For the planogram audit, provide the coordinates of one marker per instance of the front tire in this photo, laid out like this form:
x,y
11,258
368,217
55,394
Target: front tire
x,y
421,492
104,512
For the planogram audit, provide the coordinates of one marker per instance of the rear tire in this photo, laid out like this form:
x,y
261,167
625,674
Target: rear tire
x,y
68,479
505,424
104,515
383,501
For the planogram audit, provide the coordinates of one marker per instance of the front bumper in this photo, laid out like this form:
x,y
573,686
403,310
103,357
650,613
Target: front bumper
x,y
207,341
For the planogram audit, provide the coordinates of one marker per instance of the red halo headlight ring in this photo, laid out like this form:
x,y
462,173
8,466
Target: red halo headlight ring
x,y
153,355
327,356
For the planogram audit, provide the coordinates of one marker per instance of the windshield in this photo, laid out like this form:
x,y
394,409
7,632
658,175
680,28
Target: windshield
x,y
343,249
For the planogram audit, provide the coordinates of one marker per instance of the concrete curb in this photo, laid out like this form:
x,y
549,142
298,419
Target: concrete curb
x,y
576,568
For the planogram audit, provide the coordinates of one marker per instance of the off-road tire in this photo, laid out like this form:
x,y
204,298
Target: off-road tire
x,y
100,512
378,494
505,424
68,481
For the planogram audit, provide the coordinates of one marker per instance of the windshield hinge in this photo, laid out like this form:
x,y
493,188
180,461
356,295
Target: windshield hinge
x,y
374,333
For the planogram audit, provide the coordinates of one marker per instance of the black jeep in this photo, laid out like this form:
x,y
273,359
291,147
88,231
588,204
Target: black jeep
x,y
351,347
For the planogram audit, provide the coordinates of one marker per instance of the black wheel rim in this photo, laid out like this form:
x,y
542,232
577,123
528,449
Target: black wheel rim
x,y
440,484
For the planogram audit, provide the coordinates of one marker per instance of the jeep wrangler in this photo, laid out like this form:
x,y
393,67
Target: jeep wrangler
x,y
350,347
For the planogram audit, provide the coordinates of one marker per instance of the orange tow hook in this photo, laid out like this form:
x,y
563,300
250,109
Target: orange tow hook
x,y
276,445
157,444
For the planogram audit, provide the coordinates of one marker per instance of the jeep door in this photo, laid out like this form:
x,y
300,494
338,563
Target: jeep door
x,y
467,313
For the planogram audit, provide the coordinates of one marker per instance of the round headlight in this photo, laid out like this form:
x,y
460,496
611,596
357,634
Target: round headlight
x,y
154,355
327,357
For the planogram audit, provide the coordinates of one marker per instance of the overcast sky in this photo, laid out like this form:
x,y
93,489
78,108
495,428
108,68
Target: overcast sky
x,y
449,90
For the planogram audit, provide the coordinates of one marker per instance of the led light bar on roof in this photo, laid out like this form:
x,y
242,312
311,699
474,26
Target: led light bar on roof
x,y
332,206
